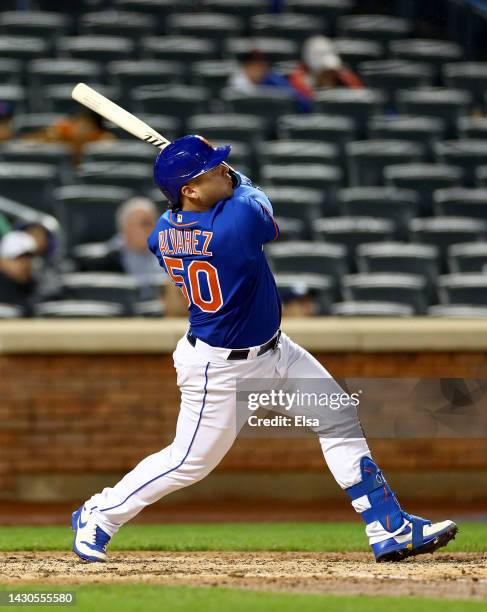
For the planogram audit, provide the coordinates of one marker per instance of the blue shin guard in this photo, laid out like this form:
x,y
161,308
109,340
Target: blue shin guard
x,y
418,535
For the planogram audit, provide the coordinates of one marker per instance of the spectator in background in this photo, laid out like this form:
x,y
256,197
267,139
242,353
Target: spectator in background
x,y
78,129
255,72
17,284
47,271
321,68
298,301
127,253
6,120
4,225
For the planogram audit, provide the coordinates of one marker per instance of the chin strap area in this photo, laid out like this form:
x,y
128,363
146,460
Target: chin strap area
x,y
384,506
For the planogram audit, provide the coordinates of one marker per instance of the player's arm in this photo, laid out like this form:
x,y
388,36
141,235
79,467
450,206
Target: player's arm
x,y
254,222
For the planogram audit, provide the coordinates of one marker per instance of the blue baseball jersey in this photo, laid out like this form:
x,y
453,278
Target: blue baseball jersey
x,y
216,258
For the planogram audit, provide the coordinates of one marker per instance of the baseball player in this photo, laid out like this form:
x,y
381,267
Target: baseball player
x,y
210,243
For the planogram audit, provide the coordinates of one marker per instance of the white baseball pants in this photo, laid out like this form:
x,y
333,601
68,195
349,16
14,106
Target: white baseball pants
x,y
206,427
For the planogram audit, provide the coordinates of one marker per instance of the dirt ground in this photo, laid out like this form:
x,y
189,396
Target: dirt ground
x,y
442,575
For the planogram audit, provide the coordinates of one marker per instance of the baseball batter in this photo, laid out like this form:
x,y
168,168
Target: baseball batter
x,y
210,242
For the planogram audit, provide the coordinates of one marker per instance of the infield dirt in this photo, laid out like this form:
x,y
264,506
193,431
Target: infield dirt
x,y
442,575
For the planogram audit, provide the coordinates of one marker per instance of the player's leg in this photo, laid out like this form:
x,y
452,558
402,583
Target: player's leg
x,y
393,534
206,429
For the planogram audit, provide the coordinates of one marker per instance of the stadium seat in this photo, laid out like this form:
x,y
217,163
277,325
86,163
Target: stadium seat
x,y
239,127
159,9
127,75
132,175
367,159
424,179
28,183
57,155
57,99
290,229
268,103
358,104
87,212
240,155
467,311
15,95
275,49
43,24
467,154
58,71
287,25
392,75
383,28
309,257
99,48
11,71
472,127
149,308
125,151
317,176
298,203
100,286
69,309
23,47
213,74
9,311
212,26
352,231
179,101
466,288
371,309
243,8
409,289
481,174
296,152
398,205
445,231
31,122
436,52
467,257
447,104
330,9
467,75
400,257
169,127
353,51
185,49
132,25
321,286
461,202
425,130
322,128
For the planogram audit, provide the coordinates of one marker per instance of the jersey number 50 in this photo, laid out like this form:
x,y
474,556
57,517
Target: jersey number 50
x,y
194,272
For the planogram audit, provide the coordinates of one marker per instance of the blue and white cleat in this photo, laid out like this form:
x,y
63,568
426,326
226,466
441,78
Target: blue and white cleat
x,y
419,536
90,541
394,534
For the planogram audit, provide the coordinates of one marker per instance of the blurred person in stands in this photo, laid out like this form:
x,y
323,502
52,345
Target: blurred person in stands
x,y
255,72
127,253
321,68
47,265
17,283
77,129
6,120
5,226
298,301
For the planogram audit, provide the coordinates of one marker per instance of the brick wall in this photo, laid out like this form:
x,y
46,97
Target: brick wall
x,y
73,414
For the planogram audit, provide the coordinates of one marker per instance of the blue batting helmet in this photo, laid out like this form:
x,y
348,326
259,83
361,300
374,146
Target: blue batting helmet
x,y
185,159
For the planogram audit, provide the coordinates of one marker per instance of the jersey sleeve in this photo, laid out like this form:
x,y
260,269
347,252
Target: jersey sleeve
x,y
254,221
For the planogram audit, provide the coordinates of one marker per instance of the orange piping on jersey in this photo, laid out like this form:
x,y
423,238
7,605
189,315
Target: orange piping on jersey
x,y
176,224
273,221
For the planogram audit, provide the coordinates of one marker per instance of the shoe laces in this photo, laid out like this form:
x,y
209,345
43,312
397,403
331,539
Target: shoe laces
x,y
101,538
